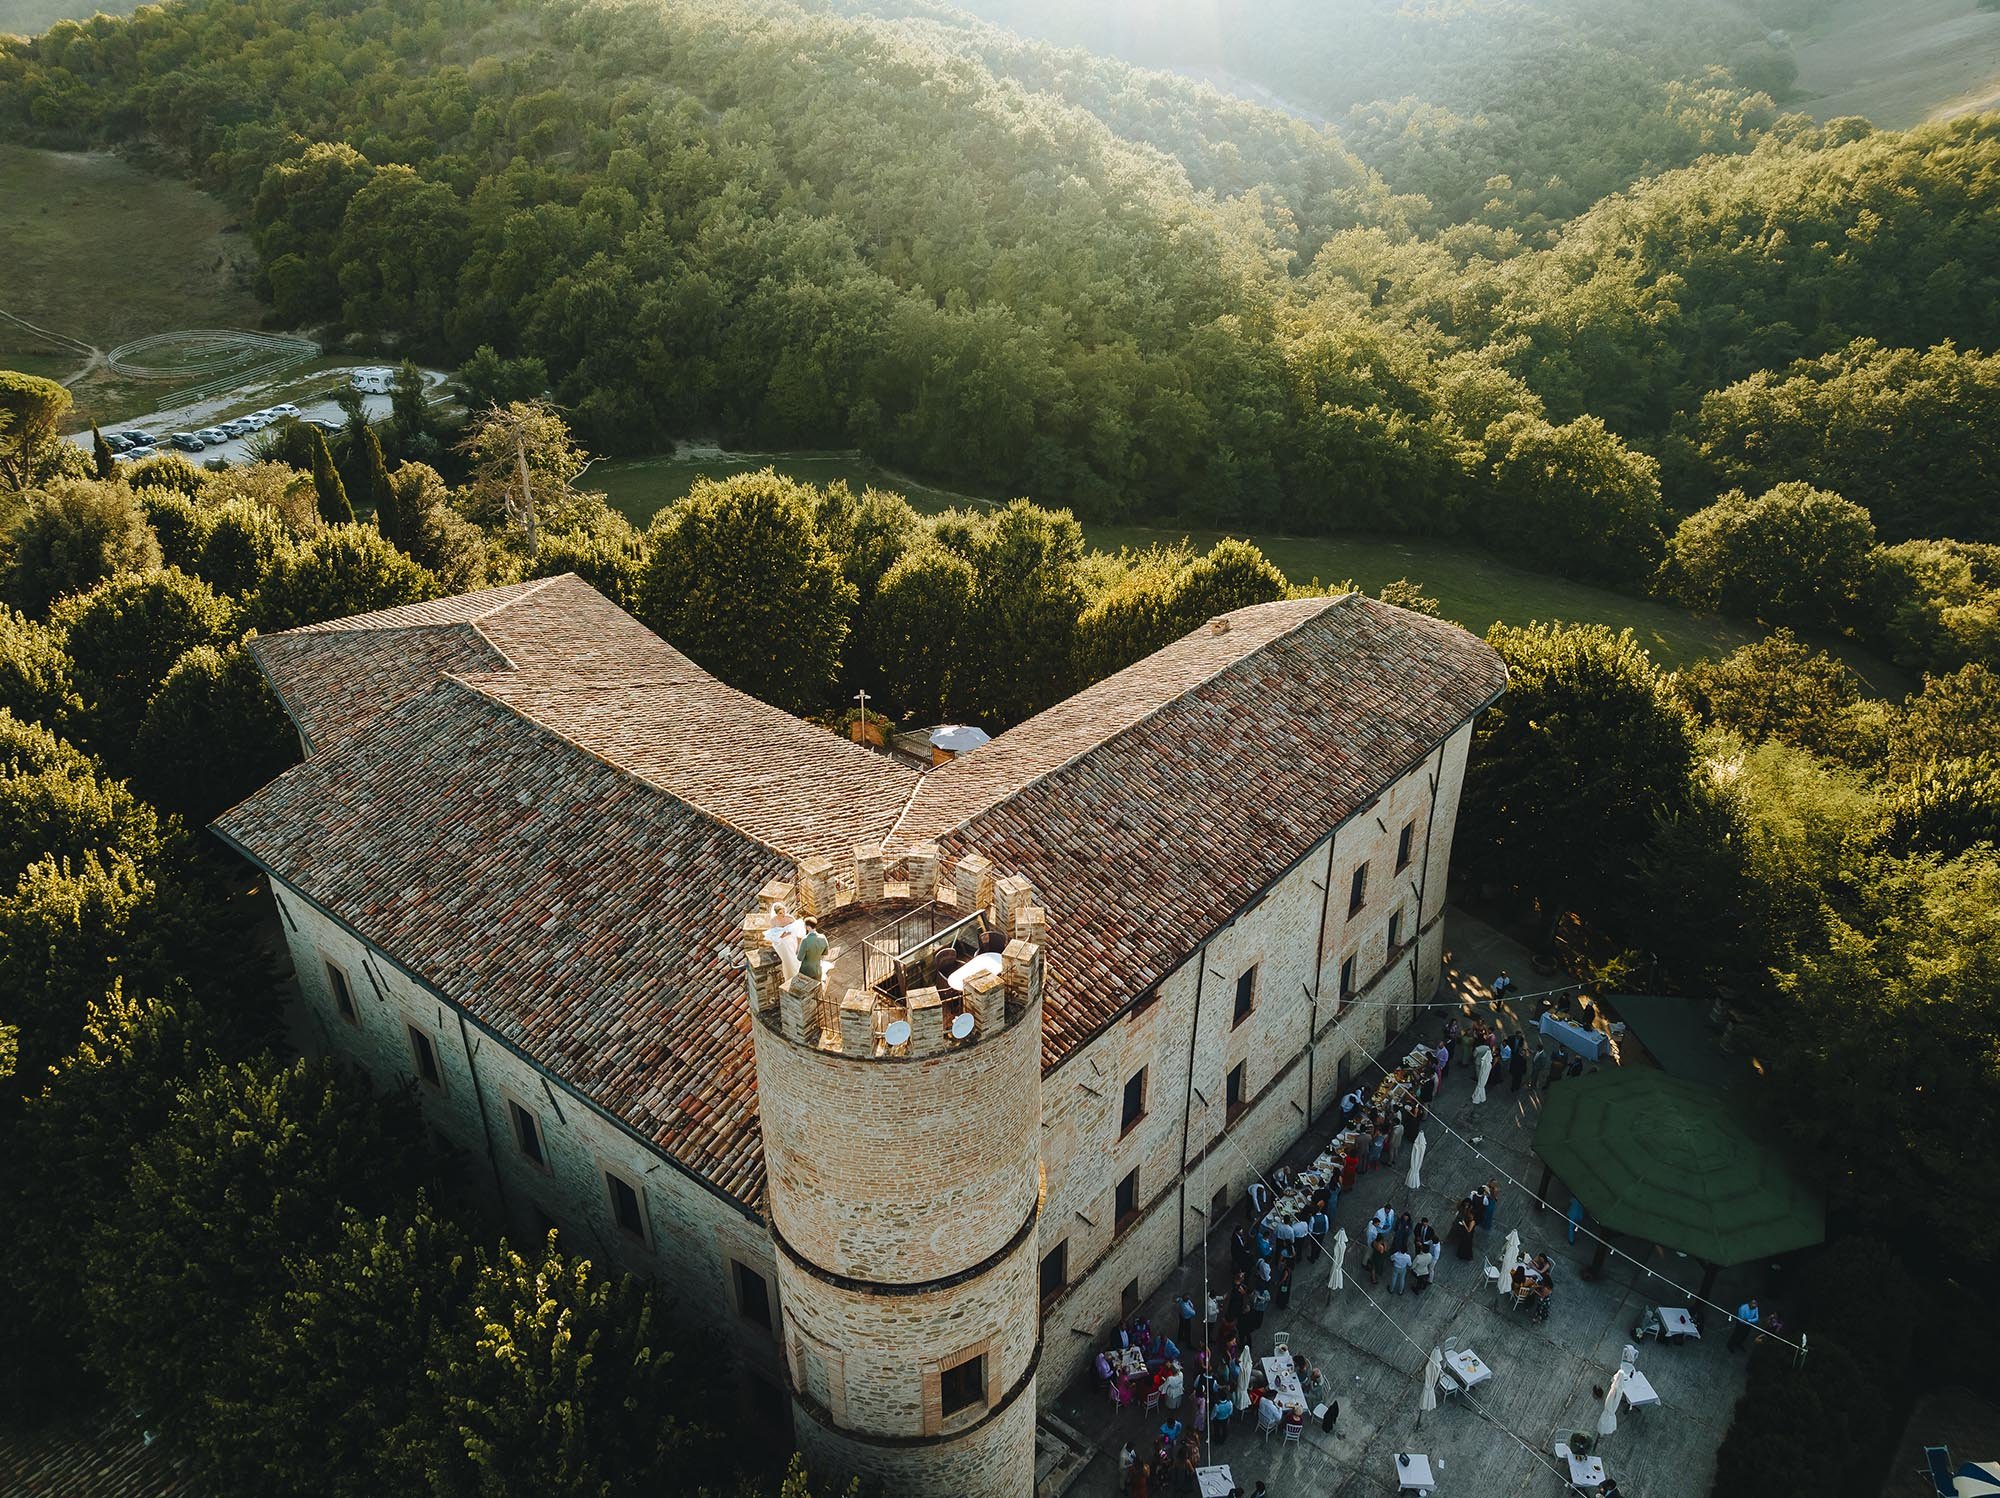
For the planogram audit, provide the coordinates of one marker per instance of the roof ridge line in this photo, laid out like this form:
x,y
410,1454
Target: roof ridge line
x,y
465,683
1327,602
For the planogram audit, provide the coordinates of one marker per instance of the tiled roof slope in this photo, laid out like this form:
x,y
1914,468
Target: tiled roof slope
x,y
570,908
1144,844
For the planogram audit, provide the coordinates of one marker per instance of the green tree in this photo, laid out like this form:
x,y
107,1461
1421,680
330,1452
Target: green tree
x,y
614,565
486,380
246,543
255,1167
68,810
168,470
435,535
1572,768
212,734
410,410
740,579
297,212
342,571
101,456
1573,497
380,493
1793,555
1953,717
1778,688
559,1379
36,676
524,467
1405,594
180,524
69,538
402,241
31,414
334,508
1936,604
125,635
339,1401
912,630
1029,594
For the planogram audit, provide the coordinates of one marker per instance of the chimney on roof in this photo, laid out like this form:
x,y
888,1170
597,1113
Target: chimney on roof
x,y
1219,625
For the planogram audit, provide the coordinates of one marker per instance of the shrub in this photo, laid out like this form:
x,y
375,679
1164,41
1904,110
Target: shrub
x,y
125,635
212,734
343,570
71,537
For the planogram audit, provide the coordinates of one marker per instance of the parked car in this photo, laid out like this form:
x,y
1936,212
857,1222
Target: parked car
x,y
212,435
260,419
188,442
114,441
142,450
238,427
288,409
136,438
329,427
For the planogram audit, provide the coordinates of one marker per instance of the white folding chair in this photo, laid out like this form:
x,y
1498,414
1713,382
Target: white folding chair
x,y
1292,1432
1450,1346
1281,1343
1152,1400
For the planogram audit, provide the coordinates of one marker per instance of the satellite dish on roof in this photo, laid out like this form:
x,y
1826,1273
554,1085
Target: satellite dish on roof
x,y
962,1026
898,1032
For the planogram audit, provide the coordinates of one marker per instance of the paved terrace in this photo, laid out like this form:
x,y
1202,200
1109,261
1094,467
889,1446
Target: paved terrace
x,y
1544,1373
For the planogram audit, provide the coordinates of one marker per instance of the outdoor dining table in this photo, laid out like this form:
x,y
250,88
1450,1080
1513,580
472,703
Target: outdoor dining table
x,y
974,967
1584,1471
1413,1471
1129,1360
1678,1321
1467,1367
1283,1378
1639,1390
1215,1482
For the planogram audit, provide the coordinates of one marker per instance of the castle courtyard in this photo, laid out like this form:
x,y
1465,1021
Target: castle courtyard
x,y
1543,1372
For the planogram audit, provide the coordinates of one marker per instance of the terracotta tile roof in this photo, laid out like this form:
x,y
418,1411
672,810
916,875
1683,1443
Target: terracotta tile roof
x,y
558,820
1192,802
549,896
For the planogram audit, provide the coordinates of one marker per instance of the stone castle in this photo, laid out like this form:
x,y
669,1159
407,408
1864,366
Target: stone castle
x,y
1079,982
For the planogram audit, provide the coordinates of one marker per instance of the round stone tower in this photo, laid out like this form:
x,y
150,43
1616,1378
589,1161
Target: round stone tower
x,y
900,1098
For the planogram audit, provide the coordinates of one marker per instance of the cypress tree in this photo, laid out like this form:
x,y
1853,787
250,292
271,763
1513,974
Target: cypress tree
x,y
381,493
333,506
100,450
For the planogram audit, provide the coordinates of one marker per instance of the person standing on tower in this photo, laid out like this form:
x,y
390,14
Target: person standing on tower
x,y
812,950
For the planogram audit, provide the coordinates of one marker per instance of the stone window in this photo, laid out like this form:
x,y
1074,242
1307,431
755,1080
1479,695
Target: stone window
x,y
753,1296
425,1055
1347,988
1218,1206
962,1386
527,1134
1405,843
1357,891
1236,1090
1126,1207
343,995
1395,931
1135,1102
1055,1271
628,1206
1128,1301
1246,993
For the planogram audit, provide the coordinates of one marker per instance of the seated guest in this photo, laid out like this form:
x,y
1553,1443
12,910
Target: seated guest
x,y
1268,1413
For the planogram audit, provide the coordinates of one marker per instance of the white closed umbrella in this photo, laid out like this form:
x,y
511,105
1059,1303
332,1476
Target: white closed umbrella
x,y
1243,1379
1338,1279
1482,1068
1510,1256
1428,1399
1415,1178
1607,1418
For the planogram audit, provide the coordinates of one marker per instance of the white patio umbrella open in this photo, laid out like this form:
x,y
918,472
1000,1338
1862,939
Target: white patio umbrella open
x,y
1482,1068
1607,1418
1510,1256
1338,1279
1415,1178
1428,1399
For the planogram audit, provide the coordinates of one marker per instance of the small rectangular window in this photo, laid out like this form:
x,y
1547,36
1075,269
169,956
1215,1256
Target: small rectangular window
x,y
1218,1207
1055,1271
343,996
626,1208
1246,993
1236,1089
753,1296
426,1057
527,1132
1357,890
1406,840
1135,1101
1127,1205
963,1385
1128,1300
1395,932
1347,989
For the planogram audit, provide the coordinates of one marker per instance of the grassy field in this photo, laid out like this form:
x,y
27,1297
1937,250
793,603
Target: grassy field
x,y
1900,62
1474,589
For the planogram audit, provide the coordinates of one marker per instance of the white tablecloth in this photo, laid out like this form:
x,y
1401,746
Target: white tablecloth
x,y
1413,1471
1466,1365
1284,1381
1679,1322
972,967
1639,1390
1214,1482
1584,1471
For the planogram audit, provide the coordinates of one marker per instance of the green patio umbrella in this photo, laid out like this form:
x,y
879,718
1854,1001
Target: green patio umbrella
x,y
1674,1163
